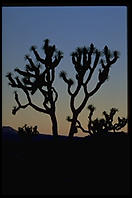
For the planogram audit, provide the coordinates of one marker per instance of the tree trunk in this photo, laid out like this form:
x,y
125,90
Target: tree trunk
x,y
54,124
73,125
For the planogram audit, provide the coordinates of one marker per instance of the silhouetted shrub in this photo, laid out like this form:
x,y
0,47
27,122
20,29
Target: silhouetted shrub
x,y
101,126
27,131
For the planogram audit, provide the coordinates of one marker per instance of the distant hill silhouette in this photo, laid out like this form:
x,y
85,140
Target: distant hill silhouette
x,y
8,133
8,129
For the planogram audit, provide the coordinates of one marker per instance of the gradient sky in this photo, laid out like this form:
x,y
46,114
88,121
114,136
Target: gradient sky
x,y
67,28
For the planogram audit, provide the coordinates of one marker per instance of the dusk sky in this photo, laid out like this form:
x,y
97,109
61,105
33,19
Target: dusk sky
x,y
67,28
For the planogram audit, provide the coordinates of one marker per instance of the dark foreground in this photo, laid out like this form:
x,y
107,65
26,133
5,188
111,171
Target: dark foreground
x,y
48,166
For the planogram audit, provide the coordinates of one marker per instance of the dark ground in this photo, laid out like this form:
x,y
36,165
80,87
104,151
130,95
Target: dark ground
x,y
48,166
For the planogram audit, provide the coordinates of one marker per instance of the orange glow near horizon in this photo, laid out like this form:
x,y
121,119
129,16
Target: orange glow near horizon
x,y
67,29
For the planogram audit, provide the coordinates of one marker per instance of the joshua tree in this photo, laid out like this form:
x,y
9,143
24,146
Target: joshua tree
x,y
82,60
101,126
109,121
33,79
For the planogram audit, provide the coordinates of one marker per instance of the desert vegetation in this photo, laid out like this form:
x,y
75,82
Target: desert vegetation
x,y
101,126
85,61
34,79
27,131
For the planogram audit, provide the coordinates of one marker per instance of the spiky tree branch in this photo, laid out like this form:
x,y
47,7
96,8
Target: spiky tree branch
x,y
103,126
83,62
34,79
120,124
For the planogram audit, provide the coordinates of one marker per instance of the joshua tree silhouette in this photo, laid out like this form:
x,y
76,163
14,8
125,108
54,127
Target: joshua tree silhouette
x,y
43,81
104,125
101,126
82,61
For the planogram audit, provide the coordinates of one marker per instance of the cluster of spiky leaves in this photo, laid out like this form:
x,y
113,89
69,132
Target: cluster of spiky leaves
x,y
84,60
27,131
33,78
103,125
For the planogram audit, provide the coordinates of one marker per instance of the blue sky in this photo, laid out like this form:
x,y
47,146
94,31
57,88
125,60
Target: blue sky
x,y
67,28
